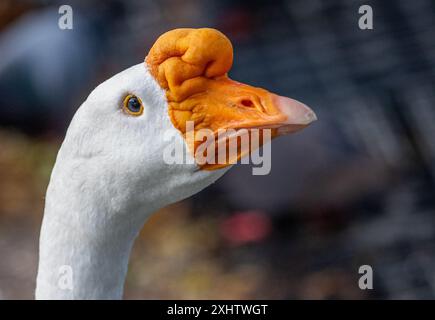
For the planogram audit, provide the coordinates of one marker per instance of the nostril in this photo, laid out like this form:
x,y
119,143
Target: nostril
x,y
247,103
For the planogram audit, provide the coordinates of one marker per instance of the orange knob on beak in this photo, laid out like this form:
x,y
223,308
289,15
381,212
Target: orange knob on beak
x,y
192,65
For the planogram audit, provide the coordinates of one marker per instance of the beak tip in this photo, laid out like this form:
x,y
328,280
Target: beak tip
x,y
297,113
311,116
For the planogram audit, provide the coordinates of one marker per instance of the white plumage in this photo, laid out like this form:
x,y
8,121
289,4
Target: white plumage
x,y
110,172
108,178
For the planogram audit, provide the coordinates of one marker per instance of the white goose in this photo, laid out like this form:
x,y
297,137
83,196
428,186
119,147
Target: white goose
x,y
110,175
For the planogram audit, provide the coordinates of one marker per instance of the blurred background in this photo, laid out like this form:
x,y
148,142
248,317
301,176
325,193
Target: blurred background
x,y
355,188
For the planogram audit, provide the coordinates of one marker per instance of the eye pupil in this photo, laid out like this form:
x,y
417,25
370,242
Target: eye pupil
x,y
134,104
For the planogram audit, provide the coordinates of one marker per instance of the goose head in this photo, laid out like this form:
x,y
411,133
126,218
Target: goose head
x,y
111,171
122,133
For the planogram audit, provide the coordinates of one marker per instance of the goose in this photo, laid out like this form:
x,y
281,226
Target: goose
x,y
110,176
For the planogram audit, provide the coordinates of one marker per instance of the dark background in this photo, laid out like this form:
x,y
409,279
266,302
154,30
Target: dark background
x,y
355,188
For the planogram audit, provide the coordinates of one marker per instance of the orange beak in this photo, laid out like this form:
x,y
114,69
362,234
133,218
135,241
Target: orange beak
x,y
192,66
228,104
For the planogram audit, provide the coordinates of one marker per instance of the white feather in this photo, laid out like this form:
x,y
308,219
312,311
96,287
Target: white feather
x,y
109,177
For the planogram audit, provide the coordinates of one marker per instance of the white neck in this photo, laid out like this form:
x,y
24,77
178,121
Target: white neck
x,y
84,247
108,178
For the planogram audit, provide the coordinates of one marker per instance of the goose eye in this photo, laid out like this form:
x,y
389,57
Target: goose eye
x,y
133,105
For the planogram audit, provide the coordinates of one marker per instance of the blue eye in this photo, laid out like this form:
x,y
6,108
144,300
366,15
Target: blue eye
x,y
133,105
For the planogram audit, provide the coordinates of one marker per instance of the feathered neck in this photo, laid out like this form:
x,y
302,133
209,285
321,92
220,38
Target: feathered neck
x,y
84,245
97,202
